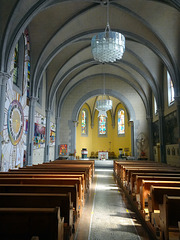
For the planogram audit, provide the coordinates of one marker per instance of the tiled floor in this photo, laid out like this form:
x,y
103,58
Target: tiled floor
x,y
107,215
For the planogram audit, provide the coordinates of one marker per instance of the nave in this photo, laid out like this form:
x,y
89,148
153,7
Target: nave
x,y
107,213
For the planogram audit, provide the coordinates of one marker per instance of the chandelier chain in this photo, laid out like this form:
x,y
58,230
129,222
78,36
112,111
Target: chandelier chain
x,y
108,25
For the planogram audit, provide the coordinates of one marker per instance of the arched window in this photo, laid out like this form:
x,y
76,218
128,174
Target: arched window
x,y
18,65
155,106
102,125
121,124
27,59
170,89
15,71
84,122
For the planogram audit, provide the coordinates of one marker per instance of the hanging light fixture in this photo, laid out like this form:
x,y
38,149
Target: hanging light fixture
x,y
108,46
103,105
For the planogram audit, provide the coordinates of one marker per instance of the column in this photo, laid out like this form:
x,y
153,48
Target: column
x,y
162,136
56,155
3,82
132,137
150,134
72,125
177,99
29,159
46,149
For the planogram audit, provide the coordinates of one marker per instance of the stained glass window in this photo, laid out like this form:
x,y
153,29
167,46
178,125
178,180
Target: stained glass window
x,y
27,59
102,125
15,71
155,106
84,128
170,89
121,125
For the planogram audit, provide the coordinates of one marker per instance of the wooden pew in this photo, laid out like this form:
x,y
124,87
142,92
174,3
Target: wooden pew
x,y
77,162
46,181
60,189
135,175
145,189
169,217
149,169
63,168
121,167
51,171
42,200
126,173
49,175
65,165
45,175
24,223
157,193
71,164
155,177
156,198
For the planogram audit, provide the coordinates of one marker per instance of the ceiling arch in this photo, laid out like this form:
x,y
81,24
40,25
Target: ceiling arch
x,y
61,32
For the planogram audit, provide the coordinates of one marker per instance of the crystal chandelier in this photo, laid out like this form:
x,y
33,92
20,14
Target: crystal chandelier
x,y
103,105
108,46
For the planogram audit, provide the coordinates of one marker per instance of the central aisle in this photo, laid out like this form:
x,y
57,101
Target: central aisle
x,y
106,215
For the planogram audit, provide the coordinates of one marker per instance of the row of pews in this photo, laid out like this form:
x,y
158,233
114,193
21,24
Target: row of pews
x,y
154,191
44,201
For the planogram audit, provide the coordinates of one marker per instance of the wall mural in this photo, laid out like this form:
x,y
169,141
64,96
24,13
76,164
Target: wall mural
x,y
171,129
40,131
155,133
14,134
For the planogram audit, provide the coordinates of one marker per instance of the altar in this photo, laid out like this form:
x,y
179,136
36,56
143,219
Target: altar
x,y
103,155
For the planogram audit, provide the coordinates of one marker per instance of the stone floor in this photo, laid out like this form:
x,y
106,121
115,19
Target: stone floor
x,y
107,214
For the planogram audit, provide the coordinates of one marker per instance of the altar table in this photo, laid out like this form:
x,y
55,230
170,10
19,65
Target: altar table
x,y
103,155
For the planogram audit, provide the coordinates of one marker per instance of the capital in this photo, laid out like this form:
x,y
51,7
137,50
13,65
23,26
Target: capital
x,y
48,112
4,78
160,112
32,98
75,123
149,118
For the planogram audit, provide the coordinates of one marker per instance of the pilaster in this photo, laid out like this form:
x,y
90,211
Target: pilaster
x,y
177,99
162,136
73,125
46,149
32,106
57,137
132,138
3,82
150,134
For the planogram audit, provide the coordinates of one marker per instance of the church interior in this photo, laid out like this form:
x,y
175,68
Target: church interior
x,y
90,92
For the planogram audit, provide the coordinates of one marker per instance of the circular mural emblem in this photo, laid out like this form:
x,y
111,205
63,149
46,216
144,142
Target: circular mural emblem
x,y
15,122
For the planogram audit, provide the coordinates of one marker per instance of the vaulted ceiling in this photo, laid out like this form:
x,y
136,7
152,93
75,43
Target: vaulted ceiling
x,y
60,40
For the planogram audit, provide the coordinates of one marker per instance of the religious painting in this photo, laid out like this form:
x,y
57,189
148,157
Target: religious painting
x,y
63,150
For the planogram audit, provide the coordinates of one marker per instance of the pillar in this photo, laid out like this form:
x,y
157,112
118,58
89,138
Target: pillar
x,y
3,82
177,99
73,125
150,134
29,159
132,138
56,155
47,141
162,136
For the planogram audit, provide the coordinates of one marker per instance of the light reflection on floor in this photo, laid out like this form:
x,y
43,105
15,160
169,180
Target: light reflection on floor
x,y
108,217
